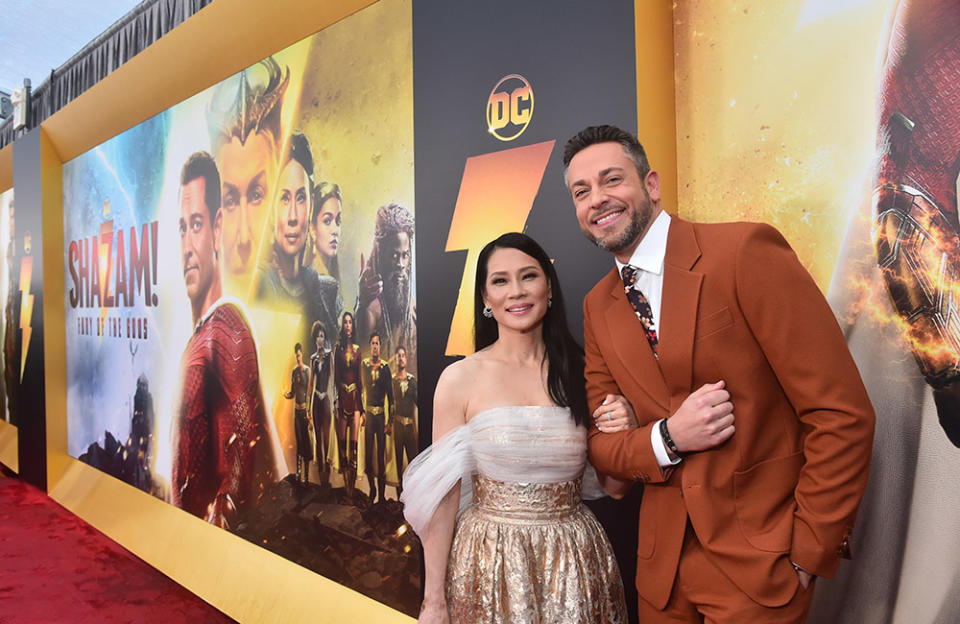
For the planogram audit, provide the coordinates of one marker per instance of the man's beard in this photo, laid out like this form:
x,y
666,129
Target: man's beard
x,y
638,224
396,294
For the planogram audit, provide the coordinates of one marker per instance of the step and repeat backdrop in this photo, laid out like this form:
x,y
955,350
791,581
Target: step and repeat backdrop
x,y
499,88
22,396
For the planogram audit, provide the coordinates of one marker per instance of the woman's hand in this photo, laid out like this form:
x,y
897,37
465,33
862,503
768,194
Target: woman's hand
x,y
434,612
614,414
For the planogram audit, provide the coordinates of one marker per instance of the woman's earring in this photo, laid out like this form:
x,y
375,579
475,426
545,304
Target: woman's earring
x,y
487,312
550,302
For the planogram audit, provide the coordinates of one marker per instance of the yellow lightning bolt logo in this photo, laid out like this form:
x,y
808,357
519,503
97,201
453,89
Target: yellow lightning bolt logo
x,y
496,194
26,309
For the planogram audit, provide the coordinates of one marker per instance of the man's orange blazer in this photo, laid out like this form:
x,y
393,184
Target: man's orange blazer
x,y
737,305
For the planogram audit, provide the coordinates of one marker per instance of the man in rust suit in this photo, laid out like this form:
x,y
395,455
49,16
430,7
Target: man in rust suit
x,y
754,427
224,444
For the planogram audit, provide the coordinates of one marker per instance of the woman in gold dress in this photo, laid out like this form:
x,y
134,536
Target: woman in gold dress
x,y
510,454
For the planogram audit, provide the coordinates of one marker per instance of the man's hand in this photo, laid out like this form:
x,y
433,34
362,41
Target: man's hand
x,y
704,420
371,283
614,414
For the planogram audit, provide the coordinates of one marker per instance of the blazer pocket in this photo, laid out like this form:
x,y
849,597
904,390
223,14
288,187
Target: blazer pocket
x,y
714,322
765,502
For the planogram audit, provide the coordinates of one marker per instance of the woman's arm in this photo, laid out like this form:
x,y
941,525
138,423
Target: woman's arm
x,y
449,412
615,414
436,552
614,487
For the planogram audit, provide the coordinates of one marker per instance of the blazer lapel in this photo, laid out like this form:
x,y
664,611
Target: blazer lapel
x,y
630,343
678,309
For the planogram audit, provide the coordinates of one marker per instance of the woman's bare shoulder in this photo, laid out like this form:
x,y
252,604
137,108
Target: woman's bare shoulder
x,y
457,386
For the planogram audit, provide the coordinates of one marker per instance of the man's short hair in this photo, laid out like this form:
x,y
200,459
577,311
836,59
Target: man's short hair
x,y
202,165
375,334
297,348
592,135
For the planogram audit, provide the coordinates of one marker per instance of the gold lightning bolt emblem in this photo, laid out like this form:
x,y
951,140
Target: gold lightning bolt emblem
x,y
496,195
26,308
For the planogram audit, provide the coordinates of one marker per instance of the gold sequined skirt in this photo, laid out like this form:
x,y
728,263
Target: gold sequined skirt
x,y
531,553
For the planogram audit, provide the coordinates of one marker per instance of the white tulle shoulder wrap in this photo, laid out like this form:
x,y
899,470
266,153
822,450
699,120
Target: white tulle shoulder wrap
x,y
531,444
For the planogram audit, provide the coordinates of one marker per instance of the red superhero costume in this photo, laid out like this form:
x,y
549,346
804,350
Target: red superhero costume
x,y
223,442
915,201
349,384
346,376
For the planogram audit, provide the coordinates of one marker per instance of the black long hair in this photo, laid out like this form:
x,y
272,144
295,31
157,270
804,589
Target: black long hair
x,y
564,355
342,340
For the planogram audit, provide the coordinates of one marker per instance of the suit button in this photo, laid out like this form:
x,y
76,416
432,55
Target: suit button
x,y
844,551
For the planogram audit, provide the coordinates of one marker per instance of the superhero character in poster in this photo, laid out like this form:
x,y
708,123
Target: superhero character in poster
x,y
244,122
223,441
349,385
320,376
140,446
403,415
378,384
385,300
325,229
917,238
299,390
285,279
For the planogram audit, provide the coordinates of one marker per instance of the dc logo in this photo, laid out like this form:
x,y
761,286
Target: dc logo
x,y
510,107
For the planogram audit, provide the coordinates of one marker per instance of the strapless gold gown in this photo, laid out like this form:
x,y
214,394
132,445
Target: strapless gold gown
x,y
531,552
525,549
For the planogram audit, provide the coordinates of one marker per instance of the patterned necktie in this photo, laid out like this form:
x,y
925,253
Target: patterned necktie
x,y
640,304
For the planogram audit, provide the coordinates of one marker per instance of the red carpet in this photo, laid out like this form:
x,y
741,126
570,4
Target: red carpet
x,y
54,567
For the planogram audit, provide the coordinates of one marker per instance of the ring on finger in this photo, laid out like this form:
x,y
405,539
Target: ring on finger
x,y
609,416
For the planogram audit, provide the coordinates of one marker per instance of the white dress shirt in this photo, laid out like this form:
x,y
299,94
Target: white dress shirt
x,y
648,258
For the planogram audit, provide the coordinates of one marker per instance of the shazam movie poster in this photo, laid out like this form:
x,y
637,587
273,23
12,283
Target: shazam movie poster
x,y
241,321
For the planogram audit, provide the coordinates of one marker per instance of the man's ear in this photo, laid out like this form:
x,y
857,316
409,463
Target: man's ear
x,y
652,184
